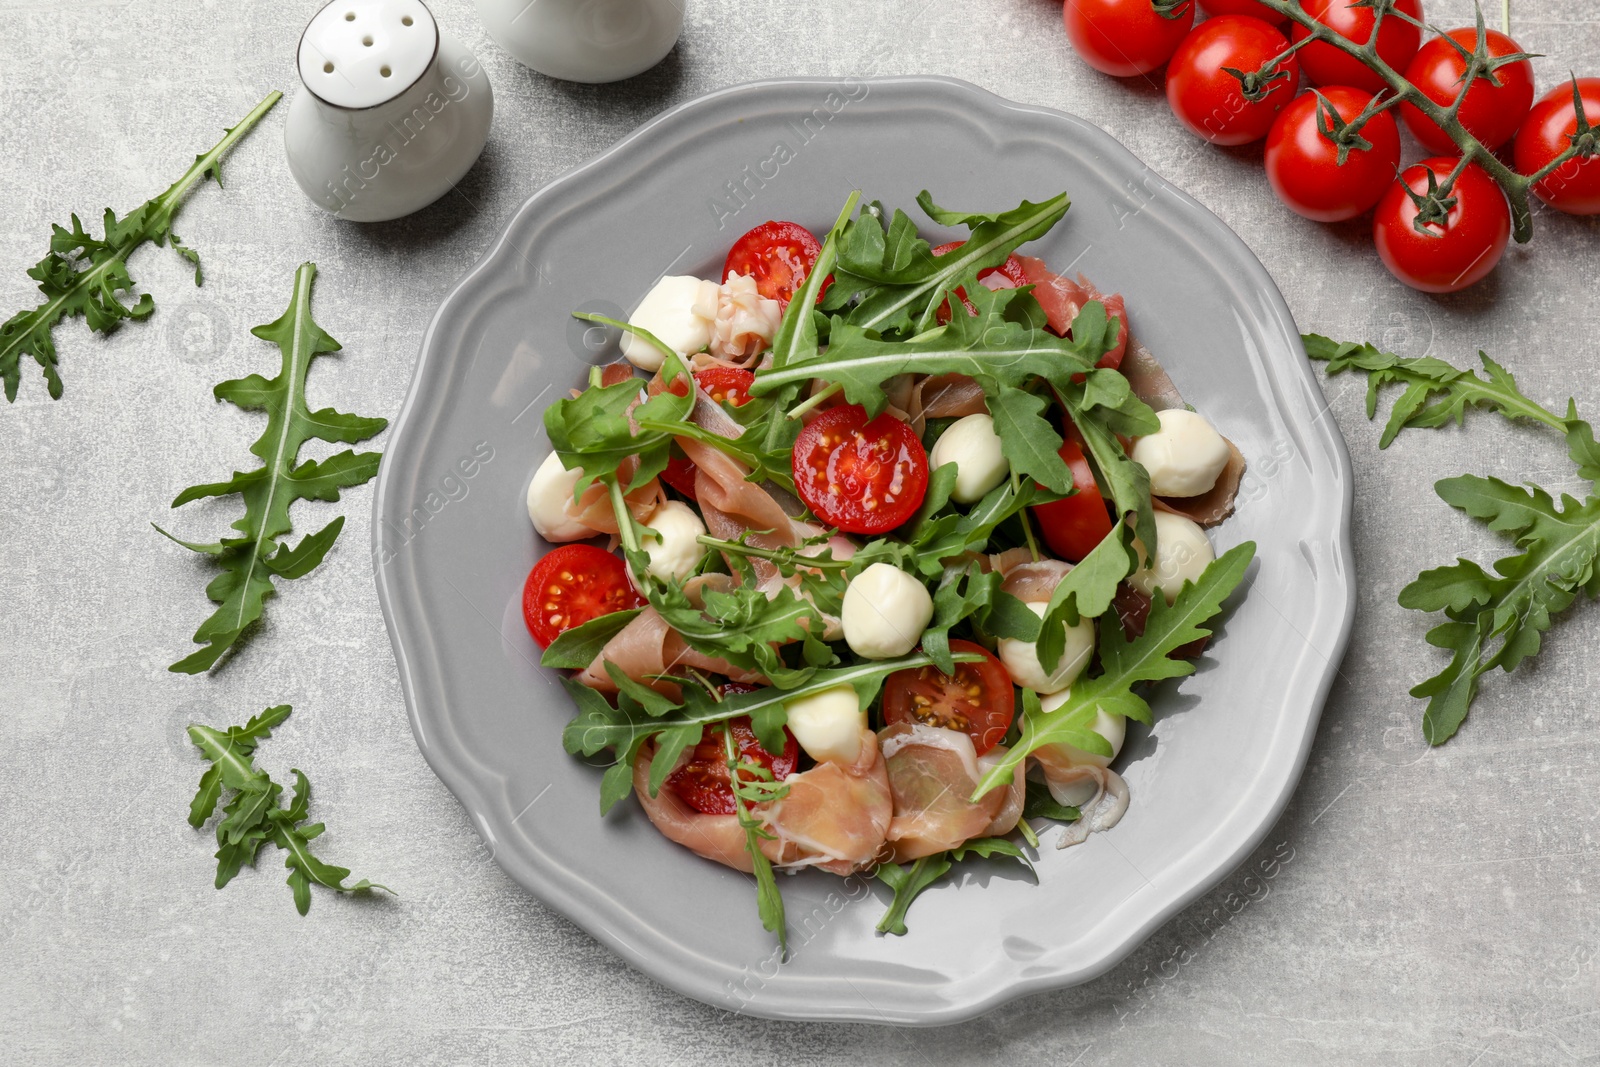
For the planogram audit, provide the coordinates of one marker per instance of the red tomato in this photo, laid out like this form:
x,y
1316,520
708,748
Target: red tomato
x,y
1072,527
1491,113
705,783
779,255
976,700
860,476
1574,187
680,475
1327,65
1243,7
1009,274
1448,257
1303,165
1124,37
726,385
572,585
1208,99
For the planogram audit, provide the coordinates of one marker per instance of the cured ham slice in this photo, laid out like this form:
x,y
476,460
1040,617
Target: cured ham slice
x,y
647,646
1148,379
932,773
833,817
1216,504
1062,299
1034,581
1070,782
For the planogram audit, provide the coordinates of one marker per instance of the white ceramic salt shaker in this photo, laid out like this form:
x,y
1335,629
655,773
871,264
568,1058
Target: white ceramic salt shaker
x,y
585,40
393,111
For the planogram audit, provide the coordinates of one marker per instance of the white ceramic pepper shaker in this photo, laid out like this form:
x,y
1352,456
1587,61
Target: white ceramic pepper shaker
x,y
585,40
393,111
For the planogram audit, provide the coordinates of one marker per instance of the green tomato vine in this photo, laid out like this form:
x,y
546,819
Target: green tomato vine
x,y
1434,205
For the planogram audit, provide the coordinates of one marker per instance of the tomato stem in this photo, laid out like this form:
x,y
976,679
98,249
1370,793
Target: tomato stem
x,y
1517,187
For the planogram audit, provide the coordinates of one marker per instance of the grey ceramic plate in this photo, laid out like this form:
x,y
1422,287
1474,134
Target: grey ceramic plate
x,y
453,544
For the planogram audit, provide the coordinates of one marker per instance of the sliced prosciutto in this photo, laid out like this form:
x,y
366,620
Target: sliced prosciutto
x,y
833,817
1062,299
647,647
932,773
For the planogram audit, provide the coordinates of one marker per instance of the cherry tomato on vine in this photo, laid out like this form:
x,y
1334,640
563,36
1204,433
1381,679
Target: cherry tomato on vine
x,y
860,476
572,585
1209,100
1574,187
705,783
779,255
977,699
1451,256
1243,7
1303,163
1125,37
1326,65
1491,113
1072,527
1009,273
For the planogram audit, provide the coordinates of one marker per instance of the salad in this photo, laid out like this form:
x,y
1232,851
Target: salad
x,y
873,548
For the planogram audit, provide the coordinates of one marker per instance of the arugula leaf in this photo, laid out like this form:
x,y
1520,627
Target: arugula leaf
x,y
962,593
253,815
1125,664
599,726
1027,439
1514,606
289,834
1127,483
592,430
250,561
1039,804
85,275
910,880
576,648
1085,592
900,282
1426,379
754,784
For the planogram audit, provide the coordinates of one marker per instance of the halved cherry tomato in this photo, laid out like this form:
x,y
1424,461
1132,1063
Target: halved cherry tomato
x,y
1010,271
779,255
1072,527
1490,112
860,476
572,585
976,700
704,782
1326,65
726,385
1573,187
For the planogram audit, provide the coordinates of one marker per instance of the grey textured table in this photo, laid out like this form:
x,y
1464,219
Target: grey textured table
x,y
1421,907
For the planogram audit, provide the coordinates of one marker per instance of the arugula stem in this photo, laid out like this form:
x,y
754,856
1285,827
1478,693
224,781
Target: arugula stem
x,y
816,400
773,555
625,527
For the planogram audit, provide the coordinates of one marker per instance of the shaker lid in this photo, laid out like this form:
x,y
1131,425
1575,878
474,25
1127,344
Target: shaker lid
x,y
361,53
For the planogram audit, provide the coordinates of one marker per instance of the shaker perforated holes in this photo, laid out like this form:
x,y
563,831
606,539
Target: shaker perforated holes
x,y
406,20
327,68
349,16
385,71
367,41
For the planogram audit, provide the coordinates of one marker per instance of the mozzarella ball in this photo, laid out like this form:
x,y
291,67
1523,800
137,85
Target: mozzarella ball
x,y
668,311
674,553
885,611
1114,728
973,446
550,502
1022,657
829,724
1184,457
1182,553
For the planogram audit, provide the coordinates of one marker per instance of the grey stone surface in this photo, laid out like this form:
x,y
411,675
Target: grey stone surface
x,y
1412,907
